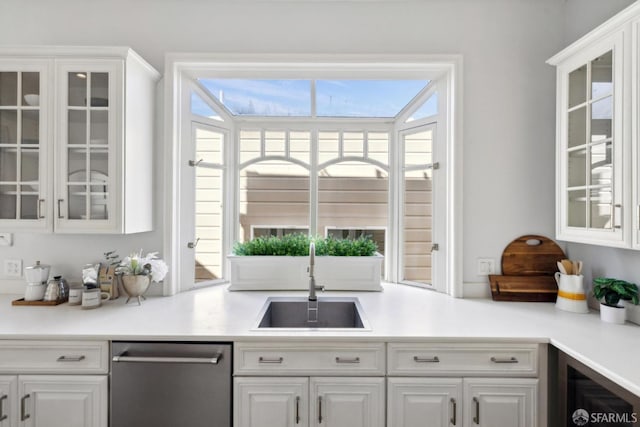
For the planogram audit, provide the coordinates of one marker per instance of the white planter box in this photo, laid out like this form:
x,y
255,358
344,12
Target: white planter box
x,y
290,273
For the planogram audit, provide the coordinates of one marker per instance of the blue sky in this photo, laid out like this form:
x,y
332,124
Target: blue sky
x,y
334,98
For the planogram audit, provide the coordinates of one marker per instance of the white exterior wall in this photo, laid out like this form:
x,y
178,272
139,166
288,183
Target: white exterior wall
x,y
509,92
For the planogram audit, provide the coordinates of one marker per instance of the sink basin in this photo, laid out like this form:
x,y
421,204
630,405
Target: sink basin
x,y
334,313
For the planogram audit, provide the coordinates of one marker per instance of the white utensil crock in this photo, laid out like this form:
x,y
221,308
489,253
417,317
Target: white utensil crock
x,y
571,295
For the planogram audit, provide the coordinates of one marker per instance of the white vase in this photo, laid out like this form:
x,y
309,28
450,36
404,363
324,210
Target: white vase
x,y
135,286
613,314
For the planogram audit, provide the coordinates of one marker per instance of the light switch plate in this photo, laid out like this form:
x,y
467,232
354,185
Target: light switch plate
x,y
6,239
13,268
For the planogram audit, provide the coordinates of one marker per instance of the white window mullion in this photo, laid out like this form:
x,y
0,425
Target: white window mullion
x,y
313,184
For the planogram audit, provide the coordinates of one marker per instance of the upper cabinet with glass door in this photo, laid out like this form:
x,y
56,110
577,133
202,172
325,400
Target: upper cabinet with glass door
x,y
102,138
593,139
24,144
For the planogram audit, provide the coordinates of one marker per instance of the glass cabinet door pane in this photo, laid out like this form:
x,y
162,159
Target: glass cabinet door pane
x,y
8,127
601,164
77,127
30,126
99,130
578,127
8,88
577,208
602,76
77,95
29,170
8,199
77,165
578,86
28,204
99,165
601,208
77,197
99,199
8,165
31,88
601,119
99,89
577,175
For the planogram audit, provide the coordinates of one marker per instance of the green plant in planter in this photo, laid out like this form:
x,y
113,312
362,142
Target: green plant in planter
x,y
610,291
298,245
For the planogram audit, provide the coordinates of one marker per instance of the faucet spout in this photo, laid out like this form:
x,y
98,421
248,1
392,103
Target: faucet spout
x,y
312,279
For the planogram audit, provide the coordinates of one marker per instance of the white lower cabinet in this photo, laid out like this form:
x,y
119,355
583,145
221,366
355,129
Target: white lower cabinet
x,y
468,402
54,383
268,401
500,402
411,401
315,401
54,400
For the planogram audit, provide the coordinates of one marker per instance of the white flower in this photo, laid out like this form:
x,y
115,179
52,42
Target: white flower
x,y
136,263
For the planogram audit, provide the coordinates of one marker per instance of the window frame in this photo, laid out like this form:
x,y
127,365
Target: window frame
x,y
183,69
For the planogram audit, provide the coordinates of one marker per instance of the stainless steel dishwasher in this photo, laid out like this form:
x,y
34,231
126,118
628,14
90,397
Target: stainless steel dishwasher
x,y
169,384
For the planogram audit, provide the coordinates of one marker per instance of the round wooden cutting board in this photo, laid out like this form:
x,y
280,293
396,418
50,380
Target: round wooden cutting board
x,y
531,256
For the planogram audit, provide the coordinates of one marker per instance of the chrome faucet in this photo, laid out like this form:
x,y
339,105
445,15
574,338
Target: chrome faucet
x,y
312,280
312,305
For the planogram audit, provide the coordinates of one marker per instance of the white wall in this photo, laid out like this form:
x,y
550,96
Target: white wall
x,y
508,90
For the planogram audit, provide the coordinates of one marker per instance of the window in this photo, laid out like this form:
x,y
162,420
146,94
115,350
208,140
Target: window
x,y
295,162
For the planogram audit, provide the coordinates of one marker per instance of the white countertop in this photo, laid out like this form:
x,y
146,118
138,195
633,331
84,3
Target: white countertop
x,y
399,313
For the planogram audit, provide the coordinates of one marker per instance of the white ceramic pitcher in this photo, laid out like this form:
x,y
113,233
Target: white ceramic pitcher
x,y
571,295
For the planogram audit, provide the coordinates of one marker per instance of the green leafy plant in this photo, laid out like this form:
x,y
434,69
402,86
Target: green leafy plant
x,y
610,291
298,245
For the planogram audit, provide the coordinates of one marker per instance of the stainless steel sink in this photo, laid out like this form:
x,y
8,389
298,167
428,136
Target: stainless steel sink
x,y
334,313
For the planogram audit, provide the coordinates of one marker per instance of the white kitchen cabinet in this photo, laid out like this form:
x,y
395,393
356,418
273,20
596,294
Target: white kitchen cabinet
x,y
8,400
45,388
25,142
325,384
494,402
411,401
597,158
63,401
267,402
464,384
347,402
91,135
304,401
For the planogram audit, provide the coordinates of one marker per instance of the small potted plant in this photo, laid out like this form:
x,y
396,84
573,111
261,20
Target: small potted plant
x,y
137,272
609,292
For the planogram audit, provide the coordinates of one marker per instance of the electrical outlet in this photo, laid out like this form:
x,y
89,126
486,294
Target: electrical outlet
x,y
486,266
6,239
13,267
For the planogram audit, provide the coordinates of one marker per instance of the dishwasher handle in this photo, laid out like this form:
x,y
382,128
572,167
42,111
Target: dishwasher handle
x,y
122,357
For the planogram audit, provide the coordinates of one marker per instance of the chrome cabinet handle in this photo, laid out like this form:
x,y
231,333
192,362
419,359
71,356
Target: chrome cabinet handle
x,y
616,220
433,359
476,419
198,360
3,416
267,360
23,407
343,360
297,410
453,411
70,358
60,216
504,360
39,209
319,409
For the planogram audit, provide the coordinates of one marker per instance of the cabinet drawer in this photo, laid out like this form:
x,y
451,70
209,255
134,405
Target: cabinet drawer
x,y
73,357
482,359
305,358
